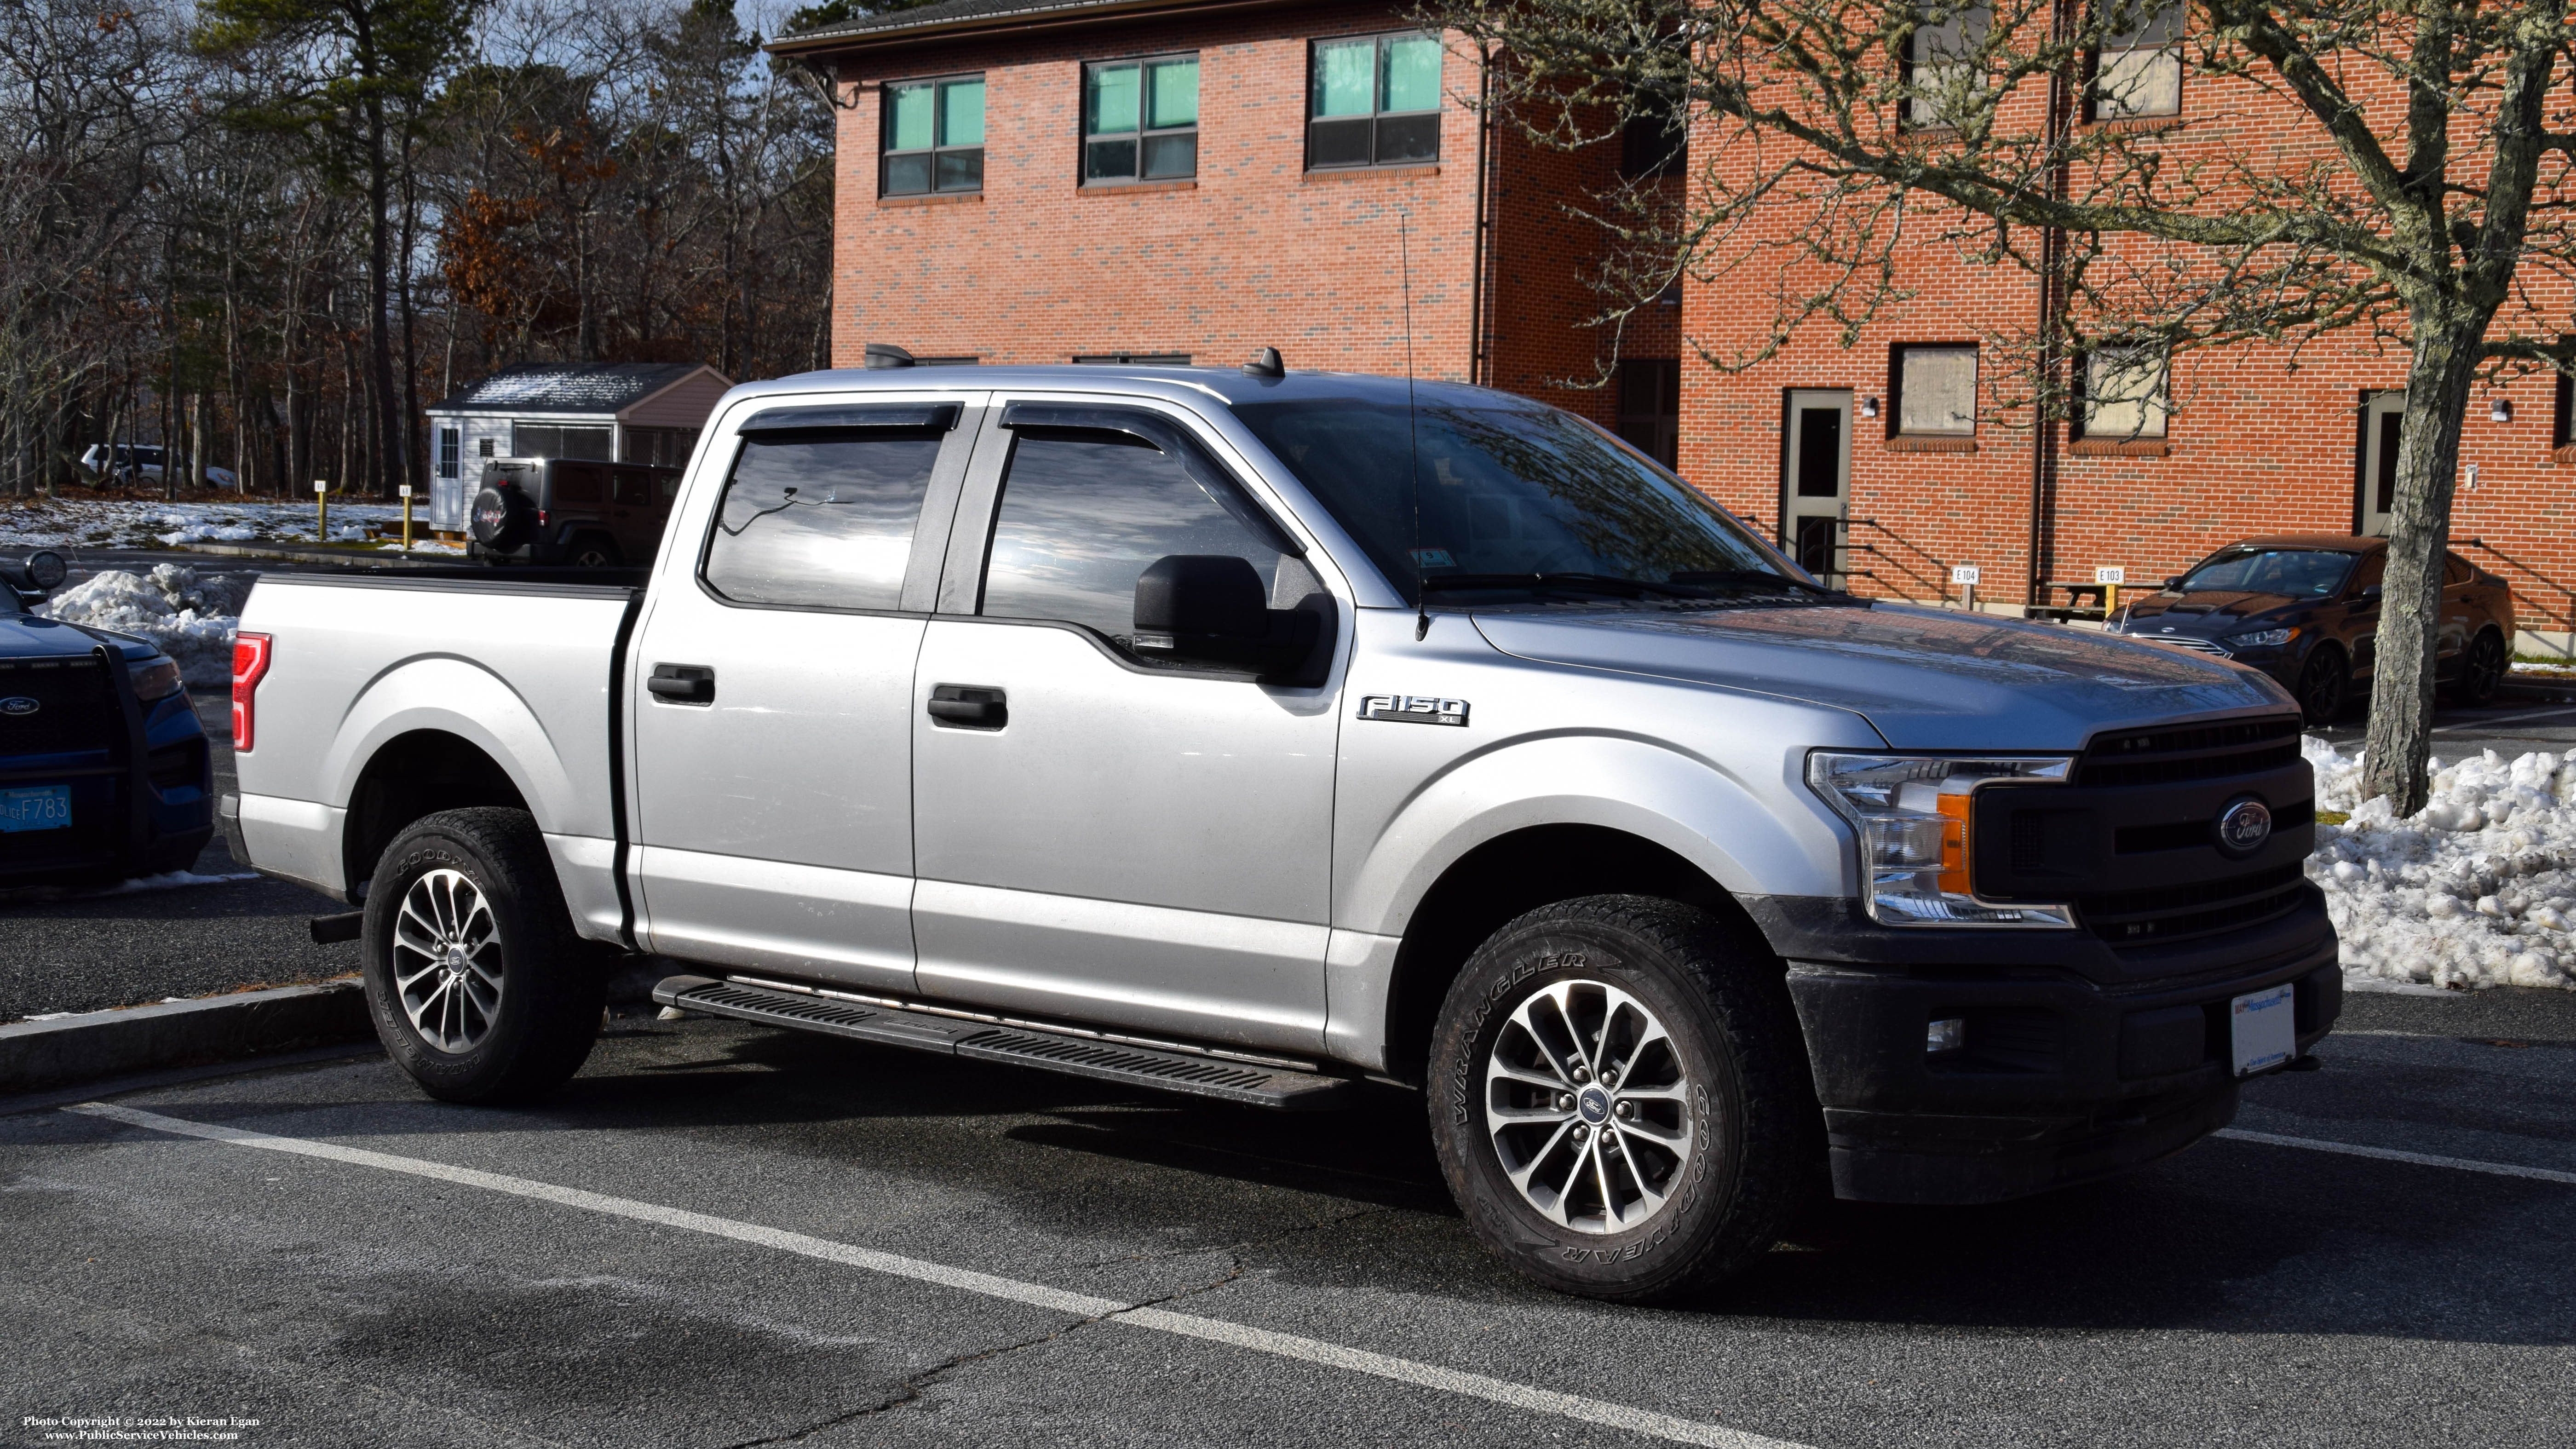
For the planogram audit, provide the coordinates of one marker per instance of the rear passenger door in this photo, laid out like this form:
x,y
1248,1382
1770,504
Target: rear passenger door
x,y
773,814
1116,839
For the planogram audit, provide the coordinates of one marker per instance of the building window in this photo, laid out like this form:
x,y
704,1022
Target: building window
x,y
1140,120
1133,359
2124,394
1941,71
552,440
661,447
2138,71
451,447
934,137
1935,392
1654,141
483,447
1650,406
1374,101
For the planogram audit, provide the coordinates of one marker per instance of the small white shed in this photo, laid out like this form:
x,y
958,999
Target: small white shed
x,y
615,412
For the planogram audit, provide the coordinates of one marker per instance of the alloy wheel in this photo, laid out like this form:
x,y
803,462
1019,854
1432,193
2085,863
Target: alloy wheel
x,y
1588,1107
447,960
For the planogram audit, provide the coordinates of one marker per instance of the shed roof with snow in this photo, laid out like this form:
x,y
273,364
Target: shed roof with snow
x,y
612,389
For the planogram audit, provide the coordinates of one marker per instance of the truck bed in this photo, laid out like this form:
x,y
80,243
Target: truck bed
x,y
520,664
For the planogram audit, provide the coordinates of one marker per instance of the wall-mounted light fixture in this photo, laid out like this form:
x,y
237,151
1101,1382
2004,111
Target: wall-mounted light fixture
x,y
1869,407
2500,411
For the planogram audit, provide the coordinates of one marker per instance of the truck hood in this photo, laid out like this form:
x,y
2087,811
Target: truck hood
x,y
26,636
1925,679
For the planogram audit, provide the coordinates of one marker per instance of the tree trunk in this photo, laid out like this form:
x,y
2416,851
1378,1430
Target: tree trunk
x,y
2438,379
382,464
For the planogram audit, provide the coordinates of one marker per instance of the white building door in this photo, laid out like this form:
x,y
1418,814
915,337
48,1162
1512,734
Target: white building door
x,y
2381,418
1815,481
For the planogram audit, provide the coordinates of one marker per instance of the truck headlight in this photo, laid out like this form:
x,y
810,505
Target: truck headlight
x,y
2263,638
1911,814
156,680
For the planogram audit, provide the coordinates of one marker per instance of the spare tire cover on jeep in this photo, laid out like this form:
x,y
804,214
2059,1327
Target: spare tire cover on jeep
x,y
502,518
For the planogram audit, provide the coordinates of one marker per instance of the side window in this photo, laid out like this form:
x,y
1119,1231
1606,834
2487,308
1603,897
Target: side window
x,y
1083,513
2374,568
821,521
2456,571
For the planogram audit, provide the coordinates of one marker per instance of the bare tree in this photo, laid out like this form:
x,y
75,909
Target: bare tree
x,y
2422,199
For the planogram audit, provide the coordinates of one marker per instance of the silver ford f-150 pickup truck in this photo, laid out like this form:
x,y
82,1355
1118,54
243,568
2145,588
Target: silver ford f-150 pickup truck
x,y
1255,734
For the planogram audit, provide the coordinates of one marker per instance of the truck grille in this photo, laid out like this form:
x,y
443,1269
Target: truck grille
x,y
2176,913
75,709
2197,752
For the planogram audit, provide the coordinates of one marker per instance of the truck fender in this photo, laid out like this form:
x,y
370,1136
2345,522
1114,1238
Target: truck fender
x,y
458,697
1737,831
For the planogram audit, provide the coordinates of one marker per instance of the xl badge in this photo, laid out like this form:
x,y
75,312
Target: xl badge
x,y
1414,709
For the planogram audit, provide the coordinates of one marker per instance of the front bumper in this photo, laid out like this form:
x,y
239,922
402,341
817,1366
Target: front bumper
x,y
2062,1079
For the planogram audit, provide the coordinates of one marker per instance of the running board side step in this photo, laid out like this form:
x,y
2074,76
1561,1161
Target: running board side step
x,y
1020,1043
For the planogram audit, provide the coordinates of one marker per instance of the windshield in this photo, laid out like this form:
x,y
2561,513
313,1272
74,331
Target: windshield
x,y
2298,573
1526,502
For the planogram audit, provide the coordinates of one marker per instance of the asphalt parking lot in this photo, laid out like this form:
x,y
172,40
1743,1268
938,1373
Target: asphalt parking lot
x,y
722,1235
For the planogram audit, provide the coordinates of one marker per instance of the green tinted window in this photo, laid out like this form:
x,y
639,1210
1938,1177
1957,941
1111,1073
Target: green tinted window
x,y
1176,94
1410,77
1343,77
908,118
1111,104
961,113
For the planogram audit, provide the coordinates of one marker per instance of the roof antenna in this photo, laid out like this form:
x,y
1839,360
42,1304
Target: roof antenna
x,y
1412,426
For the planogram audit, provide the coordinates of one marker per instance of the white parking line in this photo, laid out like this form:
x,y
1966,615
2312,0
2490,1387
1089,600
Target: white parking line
x,y
1189,1325
2480,724
2390,1154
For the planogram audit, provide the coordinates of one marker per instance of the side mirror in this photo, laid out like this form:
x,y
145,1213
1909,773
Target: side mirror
x,y
2172,584
46,570
2371,591
1210,608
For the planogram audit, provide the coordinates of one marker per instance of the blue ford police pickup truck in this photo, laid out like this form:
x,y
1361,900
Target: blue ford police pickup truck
x,y
104,770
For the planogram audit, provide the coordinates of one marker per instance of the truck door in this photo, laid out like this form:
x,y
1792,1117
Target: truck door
x,y
773,740
1101,836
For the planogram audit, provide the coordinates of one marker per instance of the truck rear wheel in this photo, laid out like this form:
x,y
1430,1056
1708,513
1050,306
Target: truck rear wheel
x,y
1620,1098
480,988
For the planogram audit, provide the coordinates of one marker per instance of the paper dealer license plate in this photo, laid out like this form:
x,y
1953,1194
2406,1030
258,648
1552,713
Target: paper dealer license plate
x,y
2264,1027
41,807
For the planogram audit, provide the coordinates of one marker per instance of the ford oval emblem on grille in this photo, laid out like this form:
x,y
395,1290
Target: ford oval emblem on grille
x,y
2243,826
20,704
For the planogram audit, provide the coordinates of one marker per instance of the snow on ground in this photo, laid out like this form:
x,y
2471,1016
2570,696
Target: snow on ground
x,y
2478,889
129,523
191,617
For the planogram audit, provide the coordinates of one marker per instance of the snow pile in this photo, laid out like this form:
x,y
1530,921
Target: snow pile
x,y
188,616
126,523
2477,889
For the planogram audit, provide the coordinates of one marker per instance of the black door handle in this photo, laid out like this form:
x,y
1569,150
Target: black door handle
x,y
683,683
969,706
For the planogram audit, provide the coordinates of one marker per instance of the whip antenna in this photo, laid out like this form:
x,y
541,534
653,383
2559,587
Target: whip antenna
x,y
1412,426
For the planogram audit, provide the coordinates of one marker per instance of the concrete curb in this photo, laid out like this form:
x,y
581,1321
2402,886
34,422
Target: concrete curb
x,y
36,1054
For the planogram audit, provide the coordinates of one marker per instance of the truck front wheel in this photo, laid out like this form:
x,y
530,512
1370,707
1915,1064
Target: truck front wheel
x,y
480,988
1620,1098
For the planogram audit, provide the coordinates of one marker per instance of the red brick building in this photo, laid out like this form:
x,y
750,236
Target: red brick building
x,y
1138,180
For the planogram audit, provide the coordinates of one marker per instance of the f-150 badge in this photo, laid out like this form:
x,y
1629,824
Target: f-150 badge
x,y
1414,709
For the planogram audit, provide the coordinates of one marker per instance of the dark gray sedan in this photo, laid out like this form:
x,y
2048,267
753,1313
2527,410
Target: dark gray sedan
x,y
2305,610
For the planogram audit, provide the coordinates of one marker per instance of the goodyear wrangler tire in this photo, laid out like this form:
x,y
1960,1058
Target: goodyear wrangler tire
x,y
1621,1099
480,988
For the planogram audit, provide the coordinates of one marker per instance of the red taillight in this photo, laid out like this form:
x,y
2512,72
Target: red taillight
x,y
250,662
